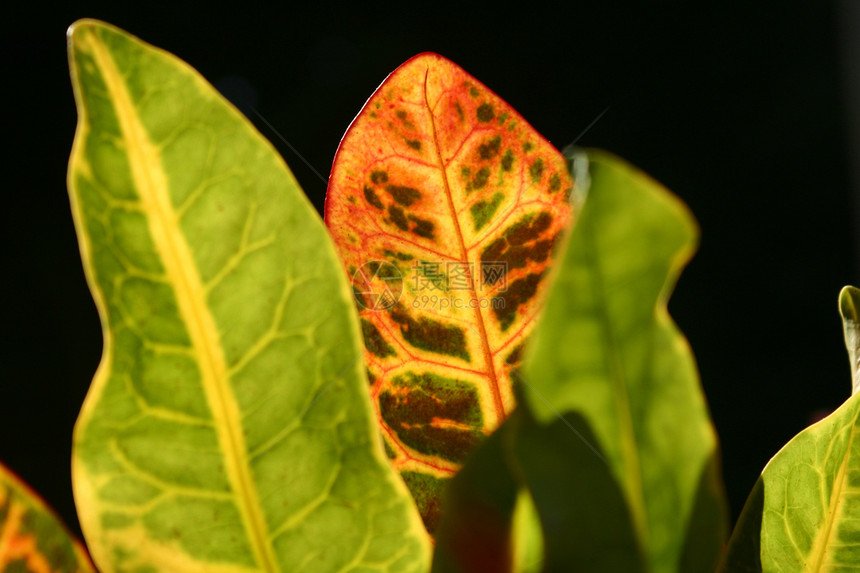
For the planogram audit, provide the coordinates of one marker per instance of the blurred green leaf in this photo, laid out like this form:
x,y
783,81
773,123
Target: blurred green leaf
x,y
527,538
477,511
586,521
635,436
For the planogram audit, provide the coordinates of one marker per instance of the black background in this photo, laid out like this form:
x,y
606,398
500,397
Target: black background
x,y
740,111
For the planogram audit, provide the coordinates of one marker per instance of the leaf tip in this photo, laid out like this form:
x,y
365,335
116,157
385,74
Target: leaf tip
x,y
849,303
425,56
82,26
849,309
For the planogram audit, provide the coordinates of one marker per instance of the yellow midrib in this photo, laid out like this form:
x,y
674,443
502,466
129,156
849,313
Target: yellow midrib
x,y
178,261
822,542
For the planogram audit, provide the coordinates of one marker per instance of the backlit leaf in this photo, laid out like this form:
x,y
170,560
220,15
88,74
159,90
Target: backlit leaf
x,y
228,427
849,308
803,515
608,358
474,533
32,538
445,206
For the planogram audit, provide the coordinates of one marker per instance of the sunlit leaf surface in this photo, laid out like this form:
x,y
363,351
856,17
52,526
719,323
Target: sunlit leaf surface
x,y
228,427
608,373
803,514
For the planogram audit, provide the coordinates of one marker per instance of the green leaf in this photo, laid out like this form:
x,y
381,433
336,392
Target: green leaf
x,y
804,512
849,308
478,510
527,535
489,522
607,355
586,521
229,426
32,538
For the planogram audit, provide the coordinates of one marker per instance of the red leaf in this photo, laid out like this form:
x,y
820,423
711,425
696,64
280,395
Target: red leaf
x,y
445,206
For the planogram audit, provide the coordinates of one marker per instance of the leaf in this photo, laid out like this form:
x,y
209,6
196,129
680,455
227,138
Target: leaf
x,y
804,512
228,427
489,522
444,205
474,532
849,308
583,513
607,356
32,538
527,538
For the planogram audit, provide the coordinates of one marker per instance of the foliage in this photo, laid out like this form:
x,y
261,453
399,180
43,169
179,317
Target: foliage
x,y
442,191
234,422
31,536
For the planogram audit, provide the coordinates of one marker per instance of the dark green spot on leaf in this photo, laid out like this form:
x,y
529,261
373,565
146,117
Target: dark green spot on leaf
x,y
536,170
403,195
434,415
485,112
508,160
528,228
431,335
373,340
490,148
379,177
372,198
482,211
505,304
515,355
423,227
398,256
479,181
398,217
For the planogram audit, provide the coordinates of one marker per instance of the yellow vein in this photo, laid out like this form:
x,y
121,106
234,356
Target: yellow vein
x,y
130,467
819,549
246,247
151,186
311,506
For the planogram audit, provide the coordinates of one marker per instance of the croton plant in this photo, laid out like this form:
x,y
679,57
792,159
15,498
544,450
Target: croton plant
x,y
468,367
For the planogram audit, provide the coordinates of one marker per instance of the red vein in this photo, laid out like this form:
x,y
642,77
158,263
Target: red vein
x,y
479,318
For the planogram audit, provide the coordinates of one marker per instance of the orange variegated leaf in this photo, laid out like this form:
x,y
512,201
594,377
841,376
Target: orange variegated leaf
x,y
444,204
32,538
